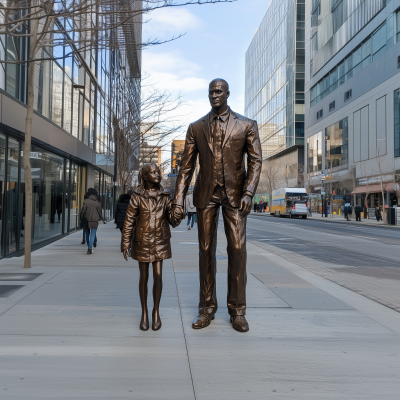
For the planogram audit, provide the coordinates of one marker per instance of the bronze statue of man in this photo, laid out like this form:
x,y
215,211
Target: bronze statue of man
x,y
221,139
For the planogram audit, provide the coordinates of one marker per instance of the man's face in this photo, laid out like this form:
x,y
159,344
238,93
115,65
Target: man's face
x,y
218,94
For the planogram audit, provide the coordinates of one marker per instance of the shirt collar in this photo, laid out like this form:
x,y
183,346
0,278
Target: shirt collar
x,y
224,116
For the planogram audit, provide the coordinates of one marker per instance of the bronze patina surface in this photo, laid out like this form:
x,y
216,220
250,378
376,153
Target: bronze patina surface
x,y
222,139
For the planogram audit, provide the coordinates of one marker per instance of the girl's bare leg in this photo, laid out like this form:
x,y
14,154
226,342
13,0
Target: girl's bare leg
x,y
144,277
157,290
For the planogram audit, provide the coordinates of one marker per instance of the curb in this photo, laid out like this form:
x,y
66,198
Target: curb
x,y
323,219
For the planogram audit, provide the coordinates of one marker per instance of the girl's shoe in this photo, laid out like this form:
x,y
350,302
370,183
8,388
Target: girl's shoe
x,y
144,323
156,325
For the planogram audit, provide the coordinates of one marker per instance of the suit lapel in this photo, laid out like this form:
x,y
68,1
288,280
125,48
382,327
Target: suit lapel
x,y
207,131
231,126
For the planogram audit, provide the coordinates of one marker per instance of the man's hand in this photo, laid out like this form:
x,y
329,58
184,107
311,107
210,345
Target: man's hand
x,y
126,254
245,206
177,214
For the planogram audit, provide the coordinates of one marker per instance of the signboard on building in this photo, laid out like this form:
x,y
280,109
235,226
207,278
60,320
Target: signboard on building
x,y
363,181
172,175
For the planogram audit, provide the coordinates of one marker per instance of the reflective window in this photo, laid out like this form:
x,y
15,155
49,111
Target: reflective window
x,y
379,41
336,144
11,195
2,188
48,188
397,123
314,153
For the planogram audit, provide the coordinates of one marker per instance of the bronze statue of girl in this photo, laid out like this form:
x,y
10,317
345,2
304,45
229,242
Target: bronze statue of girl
x,y
147,235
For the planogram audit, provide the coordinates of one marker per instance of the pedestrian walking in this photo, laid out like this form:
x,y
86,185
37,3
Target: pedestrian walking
x,y
260,206
255,206
120,210
309,211
378,213
190,210
90,217
357,210
151,236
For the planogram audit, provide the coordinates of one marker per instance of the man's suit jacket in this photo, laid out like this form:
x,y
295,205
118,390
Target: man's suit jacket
x,y
241,137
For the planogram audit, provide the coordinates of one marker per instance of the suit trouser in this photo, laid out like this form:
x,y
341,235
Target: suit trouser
x,y
235,231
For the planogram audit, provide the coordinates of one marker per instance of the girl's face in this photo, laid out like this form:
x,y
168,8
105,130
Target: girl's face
x,y
153,175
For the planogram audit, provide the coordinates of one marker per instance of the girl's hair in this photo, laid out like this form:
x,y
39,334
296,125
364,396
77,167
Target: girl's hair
x,y
143,172
94,192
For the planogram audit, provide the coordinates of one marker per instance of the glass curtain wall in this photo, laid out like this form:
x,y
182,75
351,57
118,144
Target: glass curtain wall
x,y
369,50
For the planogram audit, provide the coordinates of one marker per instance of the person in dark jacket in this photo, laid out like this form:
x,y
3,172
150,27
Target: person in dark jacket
x,y
90,217
120,211
357,210
255,206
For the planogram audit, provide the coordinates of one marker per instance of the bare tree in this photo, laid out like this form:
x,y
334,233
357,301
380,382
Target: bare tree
x,y
83,25
270,176
155,123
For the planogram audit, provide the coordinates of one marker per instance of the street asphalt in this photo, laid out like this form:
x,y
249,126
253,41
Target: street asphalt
x,y
321,309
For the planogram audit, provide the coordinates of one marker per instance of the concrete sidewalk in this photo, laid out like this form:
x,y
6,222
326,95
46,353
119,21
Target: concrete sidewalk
x,y
339,220
73,331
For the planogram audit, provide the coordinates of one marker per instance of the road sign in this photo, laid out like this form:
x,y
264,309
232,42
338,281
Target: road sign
x,y
172,175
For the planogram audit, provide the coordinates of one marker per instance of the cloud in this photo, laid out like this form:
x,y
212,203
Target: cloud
x,y
170,71
167,61
170,21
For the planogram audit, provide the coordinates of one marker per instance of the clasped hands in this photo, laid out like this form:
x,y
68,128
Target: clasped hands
x,y
178,214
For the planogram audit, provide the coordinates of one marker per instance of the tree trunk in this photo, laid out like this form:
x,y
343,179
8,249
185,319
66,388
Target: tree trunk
x,y
27,166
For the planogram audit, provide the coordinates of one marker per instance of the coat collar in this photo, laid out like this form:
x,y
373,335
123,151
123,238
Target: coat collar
x,y
140,190
207,131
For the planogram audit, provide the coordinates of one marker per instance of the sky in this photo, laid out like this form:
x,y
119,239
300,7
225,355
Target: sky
x,y
216,38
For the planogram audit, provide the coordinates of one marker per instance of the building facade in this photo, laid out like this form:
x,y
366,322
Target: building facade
x,y
274,97
77,95
177,147
352,100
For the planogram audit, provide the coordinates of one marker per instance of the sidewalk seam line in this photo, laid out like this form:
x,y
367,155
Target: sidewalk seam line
x,y
33,291
183,329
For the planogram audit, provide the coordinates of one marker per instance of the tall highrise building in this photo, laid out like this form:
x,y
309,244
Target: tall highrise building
x,y
274,95
78,96
352,101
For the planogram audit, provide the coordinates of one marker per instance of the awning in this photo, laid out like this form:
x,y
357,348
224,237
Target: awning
x,y
387,187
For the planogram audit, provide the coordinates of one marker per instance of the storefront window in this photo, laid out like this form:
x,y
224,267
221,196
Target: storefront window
x,y
75,197
48,186
108,211
2,186
336,144
67,194
11,196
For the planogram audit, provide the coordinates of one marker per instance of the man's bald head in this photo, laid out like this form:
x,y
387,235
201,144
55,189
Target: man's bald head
x,y
221,82
218,93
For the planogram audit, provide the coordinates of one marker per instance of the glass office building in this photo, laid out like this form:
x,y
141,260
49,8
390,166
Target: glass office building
x,y
352,98
76,96
275,65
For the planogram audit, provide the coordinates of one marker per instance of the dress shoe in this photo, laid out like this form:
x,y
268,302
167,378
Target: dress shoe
x,y
239,323
156,325
202,321
144,323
